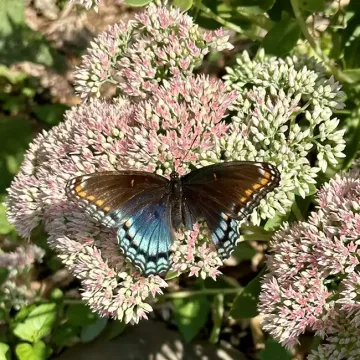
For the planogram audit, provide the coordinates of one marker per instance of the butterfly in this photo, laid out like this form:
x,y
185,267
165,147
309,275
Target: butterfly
x,y
146,209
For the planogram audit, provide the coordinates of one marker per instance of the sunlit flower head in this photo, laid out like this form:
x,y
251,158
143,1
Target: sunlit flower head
x,y
15,289
314,280
284,113
179,127
161,42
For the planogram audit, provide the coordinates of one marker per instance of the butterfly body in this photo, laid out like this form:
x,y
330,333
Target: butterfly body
x,y
146,209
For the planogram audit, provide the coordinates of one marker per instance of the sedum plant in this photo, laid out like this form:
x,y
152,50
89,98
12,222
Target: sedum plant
x,y
165,117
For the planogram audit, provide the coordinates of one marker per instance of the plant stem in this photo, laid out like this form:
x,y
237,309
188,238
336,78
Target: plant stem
x,y
259,20
257,237
297,212
189,293
228,24
315,46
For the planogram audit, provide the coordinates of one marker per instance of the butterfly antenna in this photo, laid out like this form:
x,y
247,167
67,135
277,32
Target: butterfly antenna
x,y
186,154
184,157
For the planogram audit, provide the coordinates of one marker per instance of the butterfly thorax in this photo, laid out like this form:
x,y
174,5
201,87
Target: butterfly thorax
x,y
176,188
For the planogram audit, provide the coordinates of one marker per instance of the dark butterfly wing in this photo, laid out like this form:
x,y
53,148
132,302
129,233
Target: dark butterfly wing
x,y
223,192
102,195
136,204
146,236
224,232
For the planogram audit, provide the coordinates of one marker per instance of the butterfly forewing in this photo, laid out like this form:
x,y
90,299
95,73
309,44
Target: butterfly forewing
x,y
223,192
103,194
236,187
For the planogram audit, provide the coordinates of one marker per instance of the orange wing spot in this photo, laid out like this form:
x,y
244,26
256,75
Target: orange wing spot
x,y
267,175
214,176
264,181
248,192
243,199
91,198
82,194
128,223
78,188
100,202
132,182
106,208
225,217
256,186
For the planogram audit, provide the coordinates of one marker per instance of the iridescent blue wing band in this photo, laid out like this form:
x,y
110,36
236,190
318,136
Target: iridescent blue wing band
x,y
146,237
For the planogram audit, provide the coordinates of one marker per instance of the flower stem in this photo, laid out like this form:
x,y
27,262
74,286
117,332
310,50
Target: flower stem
x,y
189,293
197,4
315,46
297,212
259,20
257,237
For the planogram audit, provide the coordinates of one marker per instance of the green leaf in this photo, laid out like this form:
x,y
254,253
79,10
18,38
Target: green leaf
x,y
351,54
244,251
24,313
171,275
282,37
5,352
5,226
252,7
352,137
137,3
50,114
80,315
191,315
281,7
115,328
217,317
245,305
65,335
11,12
37,351
312,5
206,22
56,295
275,222
274,351
90,332
3,275
38,324
353,75
184,5
12,76
15,135
18,42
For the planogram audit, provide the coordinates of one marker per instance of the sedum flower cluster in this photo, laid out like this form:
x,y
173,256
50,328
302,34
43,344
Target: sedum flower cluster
x,y
284,115
314,280
15,288
166,119
138,56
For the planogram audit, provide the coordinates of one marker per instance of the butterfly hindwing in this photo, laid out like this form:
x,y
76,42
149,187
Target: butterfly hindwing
x,y
146,237
223,228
